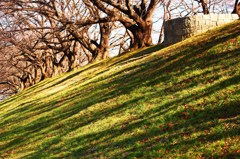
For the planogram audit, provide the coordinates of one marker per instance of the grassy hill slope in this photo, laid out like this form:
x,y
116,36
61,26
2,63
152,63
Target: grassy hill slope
x,y
182,101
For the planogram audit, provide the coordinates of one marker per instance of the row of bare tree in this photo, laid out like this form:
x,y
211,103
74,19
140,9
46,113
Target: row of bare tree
x,y
43,38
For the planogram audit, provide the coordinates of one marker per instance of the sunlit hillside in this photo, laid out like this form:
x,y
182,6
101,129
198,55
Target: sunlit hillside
x,y
181,101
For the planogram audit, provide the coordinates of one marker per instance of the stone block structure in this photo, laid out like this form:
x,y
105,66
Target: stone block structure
x,y
176,30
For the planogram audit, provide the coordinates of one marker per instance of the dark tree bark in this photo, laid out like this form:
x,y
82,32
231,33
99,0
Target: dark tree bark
x,y
204,4
236,8
205,7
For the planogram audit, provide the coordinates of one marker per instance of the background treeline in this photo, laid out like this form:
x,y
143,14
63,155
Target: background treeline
x,y
43,38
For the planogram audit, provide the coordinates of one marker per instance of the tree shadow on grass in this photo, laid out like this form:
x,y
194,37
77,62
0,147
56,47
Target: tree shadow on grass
x,y
107,145
148,139
32,129
141,76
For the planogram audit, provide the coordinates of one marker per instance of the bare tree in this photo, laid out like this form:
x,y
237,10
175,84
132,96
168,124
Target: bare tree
x,y
136,16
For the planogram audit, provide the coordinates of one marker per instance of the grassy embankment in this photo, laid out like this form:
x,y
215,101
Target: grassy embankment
x,y
182,101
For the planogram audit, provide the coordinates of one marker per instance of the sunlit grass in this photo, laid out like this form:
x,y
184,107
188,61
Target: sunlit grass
x,y
182,101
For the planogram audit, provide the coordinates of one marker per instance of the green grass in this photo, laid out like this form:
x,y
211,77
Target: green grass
x,y
182,101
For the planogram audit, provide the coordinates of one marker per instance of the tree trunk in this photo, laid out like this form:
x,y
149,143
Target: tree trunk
x,y
238,10
161,36
204,6
49,66
235,7
43,71
142,35
23,81
102,49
